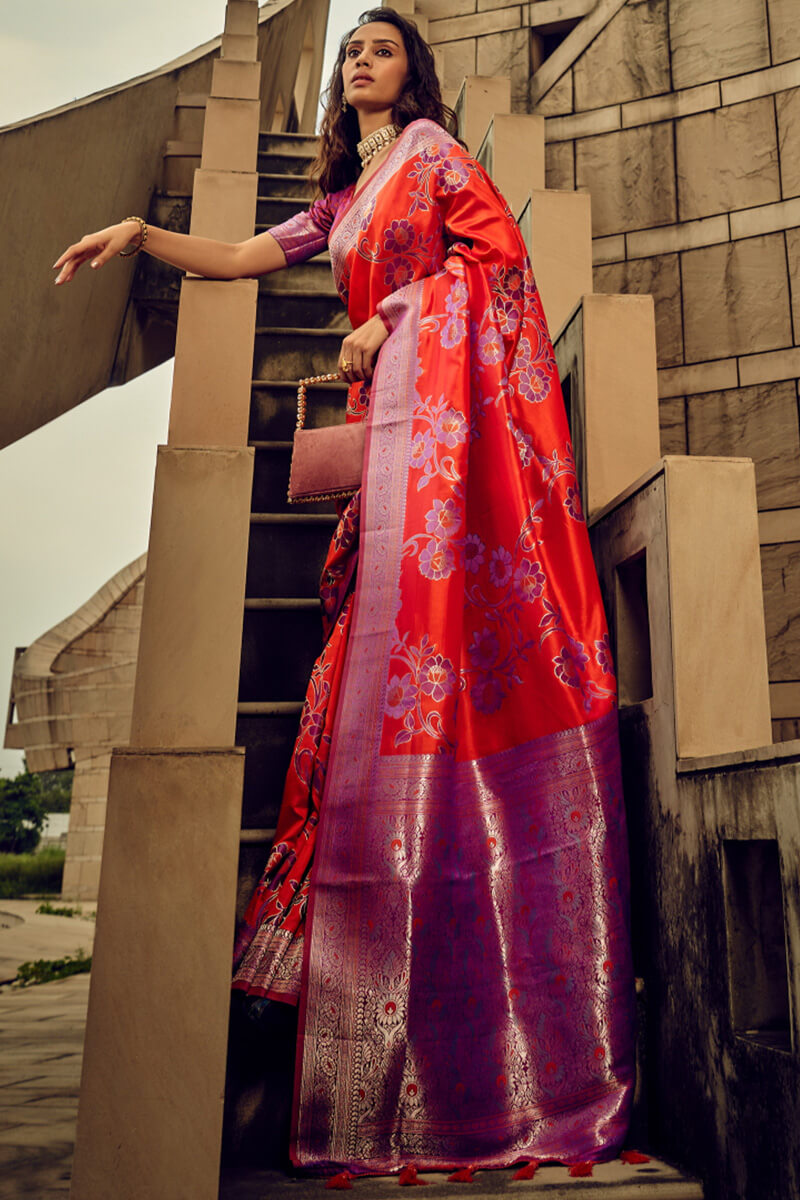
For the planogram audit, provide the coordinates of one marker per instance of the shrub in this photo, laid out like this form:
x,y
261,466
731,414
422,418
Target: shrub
x,y
31,874
44,970
22,813
63,910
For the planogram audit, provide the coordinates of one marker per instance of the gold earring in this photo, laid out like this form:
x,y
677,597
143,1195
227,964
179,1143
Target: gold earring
x,y
344,104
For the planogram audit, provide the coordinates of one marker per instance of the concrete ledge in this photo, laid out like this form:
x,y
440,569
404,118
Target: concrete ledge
x,y
761,756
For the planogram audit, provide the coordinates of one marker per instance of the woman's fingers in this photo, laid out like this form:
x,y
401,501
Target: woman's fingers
x,y
74,257
354,361
97,247
347,361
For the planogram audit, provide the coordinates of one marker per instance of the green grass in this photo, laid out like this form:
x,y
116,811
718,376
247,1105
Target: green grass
x,y
31,874
64,910
45,970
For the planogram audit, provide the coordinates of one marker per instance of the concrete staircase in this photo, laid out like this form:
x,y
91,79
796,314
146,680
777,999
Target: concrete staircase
x,y
300,323
299,327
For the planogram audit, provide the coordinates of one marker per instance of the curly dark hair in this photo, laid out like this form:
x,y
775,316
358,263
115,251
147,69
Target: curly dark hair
x,y
337,163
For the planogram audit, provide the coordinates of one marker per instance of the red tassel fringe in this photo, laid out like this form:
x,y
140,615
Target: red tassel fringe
x,y
340,1182
528,1171
578,1169
462,1176
633,1156
408,1178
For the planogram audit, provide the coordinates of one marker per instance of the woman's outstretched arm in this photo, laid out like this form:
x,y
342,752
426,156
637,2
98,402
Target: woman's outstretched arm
x,y
201,256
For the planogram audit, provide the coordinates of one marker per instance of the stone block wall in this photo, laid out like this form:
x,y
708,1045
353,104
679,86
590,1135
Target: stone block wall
x,y
682,118
72,694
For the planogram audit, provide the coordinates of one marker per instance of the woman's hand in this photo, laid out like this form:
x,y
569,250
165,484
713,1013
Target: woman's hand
x,y
359,349
98,247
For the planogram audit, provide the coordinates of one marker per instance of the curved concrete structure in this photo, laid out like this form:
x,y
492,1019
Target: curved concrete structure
x,y
72,694
128,149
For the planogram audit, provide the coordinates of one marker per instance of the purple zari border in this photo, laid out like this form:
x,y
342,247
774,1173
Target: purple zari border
x,y
355,749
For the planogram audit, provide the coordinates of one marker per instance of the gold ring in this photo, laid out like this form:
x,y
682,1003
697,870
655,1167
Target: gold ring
x,y
346,363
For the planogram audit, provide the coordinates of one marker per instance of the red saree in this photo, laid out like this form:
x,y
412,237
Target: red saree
x,y
465,986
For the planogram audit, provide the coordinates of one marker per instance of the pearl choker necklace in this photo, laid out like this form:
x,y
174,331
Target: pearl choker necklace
x,y
369,147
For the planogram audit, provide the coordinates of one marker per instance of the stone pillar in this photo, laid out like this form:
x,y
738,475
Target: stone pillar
x,y
607,363
479,98
557,227
678,560
87,816
512,151
150,1114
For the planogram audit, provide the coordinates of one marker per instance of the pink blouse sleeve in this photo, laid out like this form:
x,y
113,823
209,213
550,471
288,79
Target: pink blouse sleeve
x,y
306,234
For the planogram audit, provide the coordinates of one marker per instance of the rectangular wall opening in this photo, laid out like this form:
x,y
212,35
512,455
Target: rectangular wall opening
x,y
566,392
757,971
634,670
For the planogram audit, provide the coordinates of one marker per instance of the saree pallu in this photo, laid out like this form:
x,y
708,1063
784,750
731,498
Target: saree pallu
x,y
466,992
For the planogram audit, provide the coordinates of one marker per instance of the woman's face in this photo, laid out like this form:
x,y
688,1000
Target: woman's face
x,y
375,67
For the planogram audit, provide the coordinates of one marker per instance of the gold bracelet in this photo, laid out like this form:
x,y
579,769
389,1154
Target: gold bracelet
x,y
142,237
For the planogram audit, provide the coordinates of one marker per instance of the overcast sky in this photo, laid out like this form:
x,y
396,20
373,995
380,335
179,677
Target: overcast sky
x,y
76,494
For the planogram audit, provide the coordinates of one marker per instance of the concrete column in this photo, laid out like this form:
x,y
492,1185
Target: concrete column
x,y
607,362
86,823
557,227
150,1116
480,97
679,566
150,1113
512,152
719,645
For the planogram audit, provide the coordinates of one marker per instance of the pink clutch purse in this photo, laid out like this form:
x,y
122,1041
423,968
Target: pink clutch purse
x,y
326,462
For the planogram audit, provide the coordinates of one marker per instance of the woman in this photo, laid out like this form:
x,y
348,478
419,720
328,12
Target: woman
x,y
446,898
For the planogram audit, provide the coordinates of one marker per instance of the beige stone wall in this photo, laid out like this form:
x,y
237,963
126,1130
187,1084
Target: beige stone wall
x,y
72,694
87,820
682,118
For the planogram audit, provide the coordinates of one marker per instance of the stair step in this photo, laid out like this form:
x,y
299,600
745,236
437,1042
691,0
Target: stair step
x,y
255,837
269,708
273,407
299,308
293,518
313,277
287,552
291,143
271,481
654,1180
282,602
277,183
279,648
286,161
292,352
268,731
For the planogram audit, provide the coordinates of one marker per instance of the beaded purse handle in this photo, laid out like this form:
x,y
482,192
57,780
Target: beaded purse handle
x,y
333,453
301,394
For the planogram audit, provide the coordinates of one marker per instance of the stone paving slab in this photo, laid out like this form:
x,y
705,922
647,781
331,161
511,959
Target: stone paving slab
x,y
41,1047
26,935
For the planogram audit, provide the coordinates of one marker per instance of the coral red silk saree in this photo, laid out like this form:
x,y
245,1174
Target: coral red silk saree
x,y
447,894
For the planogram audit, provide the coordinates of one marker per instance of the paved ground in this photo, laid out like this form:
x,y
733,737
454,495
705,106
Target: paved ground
x,y
41,1044
26,935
